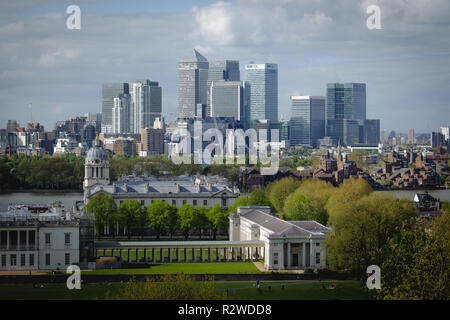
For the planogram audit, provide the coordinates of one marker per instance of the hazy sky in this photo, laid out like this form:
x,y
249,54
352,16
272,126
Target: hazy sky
x,y
406,64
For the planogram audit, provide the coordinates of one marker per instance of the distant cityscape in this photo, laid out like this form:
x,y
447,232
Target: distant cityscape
x,y
132,121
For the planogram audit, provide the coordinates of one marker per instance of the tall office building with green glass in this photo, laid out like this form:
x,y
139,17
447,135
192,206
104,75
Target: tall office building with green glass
x,y
263,79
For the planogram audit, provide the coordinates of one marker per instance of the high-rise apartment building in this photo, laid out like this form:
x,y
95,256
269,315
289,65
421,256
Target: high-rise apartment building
x,y
230,99
307,123
227,70
263,79
445,131
152,140
109,92
192,84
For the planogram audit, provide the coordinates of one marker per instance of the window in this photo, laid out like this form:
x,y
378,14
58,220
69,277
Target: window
x,y
48,239
67,259
3,260
295,245
205,202
13,261
47,259
275,258
31,259
195,202
67,239
22,260
224,202
317,257
143,203
318,244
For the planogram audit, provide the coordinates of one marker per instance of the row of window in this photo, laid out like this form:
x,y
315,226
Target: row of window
x,y
13,260
275,258
48,238
194,202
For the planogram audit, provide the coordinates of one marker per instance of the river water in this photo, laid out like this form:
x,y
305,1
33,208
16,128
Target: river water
x,y
68,198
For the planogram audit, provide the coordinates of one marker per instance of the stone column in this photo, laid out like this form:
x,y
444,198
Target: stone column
x,y
178,254
312,257
161,255
194,254
217,254
209,255
288,255
153,255
225,252
304,254
7,240
248,253
18,243
145,255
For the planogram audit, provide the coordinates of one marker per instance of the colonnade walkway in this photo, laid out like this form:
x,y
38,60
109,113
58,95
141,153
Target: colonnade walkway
x,y
181,251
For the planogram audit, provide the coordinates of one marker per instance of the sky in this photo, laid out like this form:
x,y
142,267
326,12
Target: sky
x,y
405,64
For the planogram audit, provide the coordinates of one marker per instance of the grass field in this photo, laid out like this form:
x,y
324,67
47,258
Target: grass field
x,y
293,290
189,268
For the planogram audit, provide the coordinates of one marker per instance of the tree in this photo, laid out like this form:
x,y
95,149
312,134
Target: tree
x,y
360,235
217,219
104,209
256,198
200,221
418,264
171,219
241,201
130,212
299,207
157,215
279,190
186,215
317,192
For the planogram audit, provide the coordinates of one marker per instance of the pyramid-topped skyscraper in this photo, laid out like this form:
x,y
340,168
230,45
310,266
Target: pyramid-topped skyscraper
x,y
192,83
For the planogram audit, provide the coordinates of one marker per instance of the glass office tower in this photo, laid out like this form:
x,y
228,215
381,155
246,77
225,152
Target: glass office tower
x,y
109,92
307,123
192,84
227,70
230,99
263,79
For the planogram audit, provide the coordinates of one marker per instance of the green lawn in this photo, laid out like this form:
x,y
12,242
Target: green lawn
x,y
188,268
298,290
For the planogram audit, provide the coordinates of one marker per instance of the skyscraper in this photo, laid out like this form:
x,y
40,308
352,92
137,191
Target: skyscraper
x,y
346,101
307,123
227,70
411,136
146,104
121,114
109,92
192,84
346,112
230,99
263,80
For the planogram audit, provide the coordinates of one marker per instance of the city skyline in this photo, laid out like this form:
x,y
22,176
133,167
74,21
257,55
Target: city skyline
x,y
404,64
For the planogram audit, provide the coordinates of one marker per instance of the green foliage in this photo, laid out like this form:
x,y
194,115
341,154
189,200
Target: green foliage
x,y
217,219
170,287
362,226
416,266
317,192
187,214
160,215
130,214
104,209
279,190
256,198
298,207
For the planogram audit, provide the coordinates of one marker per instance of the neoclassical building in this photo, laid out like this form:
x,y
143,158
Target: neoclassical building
x,y
287,244
197,191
